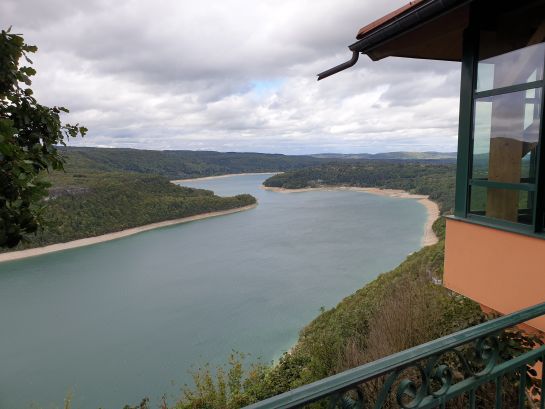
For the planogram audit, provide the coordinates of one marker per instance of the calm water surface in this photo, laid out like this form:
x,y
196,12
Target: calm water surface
x,y
121,320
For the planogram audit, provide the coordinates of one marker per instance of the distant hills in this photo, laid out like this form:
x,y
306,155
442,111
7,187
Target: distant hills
x,y
388,155
179,164
190,164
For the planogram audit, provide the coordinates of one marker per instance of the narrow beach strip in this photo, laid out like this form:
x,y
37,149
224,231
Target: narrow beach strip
x,y
222,176
38,251
432,208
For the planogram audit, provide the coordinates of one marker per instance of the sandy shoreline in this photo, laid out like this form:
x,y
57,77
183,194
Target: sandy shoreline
x,y
432,208
222,176
16,255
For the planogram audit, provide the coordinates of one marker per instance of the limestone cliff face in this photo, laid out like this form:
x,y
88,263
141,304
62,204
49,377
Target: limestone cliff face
x,y
56,192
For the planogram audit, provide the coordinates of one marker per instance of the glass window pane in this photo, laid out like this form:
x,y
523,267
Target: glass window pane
x,y
505,137
515,67
509,205
477,200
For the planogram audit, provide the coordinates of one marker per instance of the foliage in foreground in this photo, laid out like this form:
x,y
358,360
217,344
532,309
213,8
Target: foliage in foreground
x,y
29,132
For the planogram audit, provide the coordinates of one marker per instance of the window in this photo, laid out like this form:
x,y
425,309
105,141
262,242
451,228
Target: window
x,y
506,123
505,140
516,67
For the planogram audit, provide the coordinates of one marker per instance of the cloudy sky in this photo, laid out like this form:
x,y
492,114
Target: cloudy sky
x,y
232,75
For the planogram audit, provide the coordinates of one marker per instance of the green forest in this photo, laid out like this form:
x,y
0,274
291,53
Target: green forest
x,y
89,204
436,179
191,164
179,164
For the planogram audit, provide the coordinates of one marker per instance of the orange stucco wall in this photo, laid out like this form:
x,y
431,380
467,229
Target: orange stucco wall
x,y
501,270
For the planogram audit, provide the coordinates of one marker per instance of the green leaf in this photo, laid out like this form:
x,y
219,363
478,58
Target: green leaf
x,y
28,133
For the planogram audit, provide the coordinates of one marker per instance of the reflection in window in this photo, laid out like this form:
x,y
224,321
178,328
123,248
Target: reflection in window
x,y
505,138
516,67
497,204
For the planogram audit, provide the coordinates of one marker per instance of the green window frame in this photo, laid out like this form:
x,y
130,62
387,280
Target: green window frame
x,y
467,184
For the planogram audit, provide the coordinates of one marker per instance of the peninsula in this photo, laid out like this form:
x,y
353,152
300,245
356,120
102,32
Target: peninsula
x,y
17,255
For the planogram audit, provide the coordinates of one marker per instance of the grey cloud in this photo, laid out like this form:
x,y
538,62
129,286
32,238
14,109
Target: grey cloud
x,y
169,74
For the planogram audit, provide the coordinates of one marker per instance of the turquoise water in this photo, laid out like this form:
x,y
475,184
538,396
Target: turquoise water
x,y
121,320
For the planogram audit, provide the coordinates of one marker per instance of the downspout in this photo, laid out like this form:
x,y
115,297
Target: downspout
x,y
340,67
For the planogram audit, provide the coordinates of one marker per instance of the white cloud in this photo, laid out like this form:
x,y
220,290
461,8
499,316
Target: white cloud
x,y
232,75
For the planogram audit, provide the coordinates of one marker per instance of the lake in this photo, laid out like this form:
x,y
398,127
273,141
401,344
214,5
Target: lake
x,y
114,322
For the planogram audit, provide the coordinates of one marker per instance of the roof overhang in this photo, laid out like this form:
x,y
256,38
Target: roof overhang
x,y
428,29
431,29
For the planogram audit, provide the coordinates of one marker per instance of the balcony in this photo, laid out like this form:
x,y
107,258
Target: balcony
x,y
446,372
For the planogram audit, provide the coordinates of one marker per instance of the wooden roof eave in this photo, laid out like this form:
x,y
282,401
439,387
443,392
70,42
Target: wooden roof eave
x,y
421,32
427,29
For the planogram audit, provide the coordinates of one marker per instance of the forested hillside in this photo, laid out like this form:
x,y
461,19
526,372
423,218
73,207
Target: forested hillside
x,y
179,164
428,178
189,164
83,205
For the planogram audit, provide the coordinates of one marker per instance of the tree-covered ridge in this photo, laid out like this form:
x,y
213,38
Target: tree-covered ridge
x,y
444,156
428,178
179,164
83,205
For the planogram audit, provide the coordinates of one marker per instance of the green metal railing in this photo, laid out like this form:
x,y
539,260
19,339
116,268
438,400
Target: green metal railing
x,y
433,374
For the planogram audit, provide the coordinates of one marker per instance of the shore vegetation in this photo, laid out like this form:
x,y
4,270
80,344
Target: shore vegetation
x,y
81,205
430,178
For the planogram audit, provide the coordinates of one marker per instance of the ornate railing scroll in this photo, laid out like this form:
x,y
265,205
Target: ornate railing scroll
x,y
448,372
